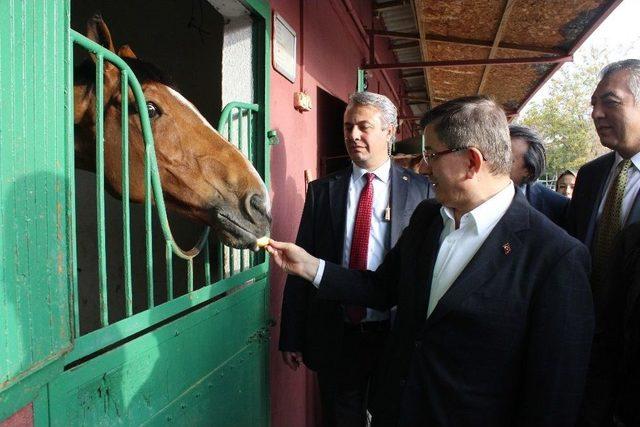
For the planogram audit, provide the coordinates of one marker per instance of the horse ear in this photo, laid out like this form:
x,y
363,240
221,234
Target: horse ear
x,y
126,52
98,31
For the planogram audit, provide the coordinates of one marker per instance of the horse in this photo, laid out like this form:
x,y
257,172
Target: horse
x,y
204,177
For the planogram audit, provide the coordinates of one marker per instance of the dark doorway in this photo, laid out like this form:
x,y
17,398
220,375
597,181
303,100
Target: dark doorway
x,y
332,154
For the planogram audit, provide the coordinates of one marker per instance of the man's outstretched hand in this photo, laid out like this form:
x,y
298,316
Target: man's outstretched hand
x,y
293,259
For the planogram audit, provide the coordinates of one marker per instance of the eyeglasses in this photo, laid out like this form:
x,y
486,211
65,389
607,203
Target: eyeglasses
x,y
430,157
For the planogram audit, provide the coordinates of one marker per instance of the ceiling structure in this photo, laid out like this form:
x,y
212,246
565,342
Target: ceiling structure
x,y
508,49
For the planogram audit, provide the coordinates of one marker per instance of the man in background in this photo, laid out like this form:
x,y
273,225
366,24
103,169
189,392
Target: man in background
x,y
529,161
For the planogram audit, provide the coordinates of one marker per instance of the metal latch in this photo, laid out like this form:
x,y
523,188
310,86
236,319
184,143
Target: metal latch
x,y
272,136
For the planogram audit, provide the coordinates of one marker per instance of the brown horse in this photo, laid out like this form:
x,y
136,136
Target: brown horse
x,y
204,177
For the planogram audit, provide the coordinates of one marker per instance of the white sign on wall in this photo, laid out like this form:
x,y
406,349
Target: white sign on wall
x,y
284,48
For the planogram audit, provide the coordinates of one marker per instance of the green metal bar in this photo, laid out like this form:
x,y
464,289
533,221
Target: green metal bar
x,y
242,146
71,194
190,275
225,122
250,134
240,130
226,112
102,246
230,138
207,264
169,261
148,226
250,139
126,213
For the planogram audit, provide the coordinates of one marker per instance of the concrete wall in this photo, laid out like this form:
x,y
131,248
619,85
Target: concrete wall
x,y
330,49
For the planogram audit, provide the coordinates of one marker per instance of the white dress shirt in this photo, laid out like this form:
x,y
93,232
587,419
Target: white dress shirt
x,y
458,246
630,192
379,236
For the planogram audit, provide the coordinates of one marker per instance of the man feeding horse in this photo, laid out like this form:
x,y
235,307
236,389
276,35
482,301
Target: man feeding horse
x,y
204,177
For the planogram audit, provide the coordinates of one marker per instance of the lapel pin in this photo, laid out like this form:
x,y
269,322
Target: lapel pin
x,y
506,248
405,178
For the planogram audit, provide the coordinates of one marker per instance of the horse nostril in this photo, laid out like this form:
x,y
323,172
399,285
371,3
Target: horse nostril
x,y
257,208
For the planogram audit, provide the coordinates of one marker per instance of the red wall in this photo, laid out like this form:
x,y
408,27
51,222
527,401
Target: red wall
x,y
332,49
22,418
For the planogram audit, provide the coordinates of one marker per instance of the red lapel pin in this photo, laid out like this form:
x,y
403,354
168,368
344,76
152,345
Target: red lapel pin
x,y
506,248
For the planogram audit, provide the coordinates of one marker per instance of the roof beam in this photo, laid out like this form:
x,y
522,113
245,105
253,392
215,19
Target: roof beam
x,y
393,4
465,42
496,41
424,52
406,45
484,43
394,34
468,63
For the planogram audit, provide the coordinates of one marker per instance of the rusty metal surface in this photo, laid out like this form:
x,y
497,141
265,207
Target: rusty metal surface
x,y
463,30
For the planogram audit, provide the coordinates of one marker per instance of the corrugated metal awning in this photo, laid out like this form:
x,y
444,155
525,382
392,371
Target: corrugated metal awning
x,y
504,48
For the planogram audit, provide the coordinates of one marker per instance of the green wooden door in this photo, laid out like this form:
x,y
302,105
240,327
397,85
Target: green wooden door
x,y
196,359
35,327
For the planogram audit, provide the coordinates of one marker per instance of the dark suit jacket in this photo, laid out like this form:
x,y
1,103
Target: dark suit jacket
x,y
315,326
507,345
587,196
550,203
613,383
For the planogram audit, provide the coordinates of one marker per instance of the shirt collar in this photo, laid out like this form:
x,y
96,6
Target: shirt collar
x,y
382,172
635,159
485,215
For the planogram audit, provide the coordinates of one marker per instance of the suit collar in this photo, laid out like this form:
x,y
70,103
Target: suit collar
x,y
498,250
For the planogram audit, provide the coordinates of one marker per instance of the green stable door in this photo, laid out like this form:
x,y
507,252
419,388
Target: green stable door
x,y
193,357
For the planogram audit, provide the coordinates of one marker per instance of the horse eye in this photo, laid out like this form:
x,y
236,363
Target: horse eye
x,y
153,110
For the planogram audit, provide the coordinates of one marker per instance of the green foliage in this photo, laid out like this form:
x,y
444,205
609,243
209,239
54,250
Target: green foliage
x,y
563,117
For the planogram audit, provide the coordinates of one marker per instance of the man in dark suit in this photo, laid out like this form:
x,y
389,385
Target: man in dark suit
x,y
616,115
341,347
529,160
613,389
494,315
606,198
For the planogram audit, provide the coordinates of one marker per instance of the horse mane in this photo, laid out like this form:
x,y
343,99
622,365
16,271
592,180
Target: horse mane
x,y
85,73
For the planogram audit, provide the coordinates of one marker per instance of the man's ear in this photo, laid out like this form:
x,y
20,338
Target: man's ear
x,y
391,131
476,160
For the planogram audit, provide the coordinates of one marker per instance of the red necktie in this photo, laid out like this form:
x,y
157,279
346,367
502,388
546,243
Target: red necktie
x,y
360,242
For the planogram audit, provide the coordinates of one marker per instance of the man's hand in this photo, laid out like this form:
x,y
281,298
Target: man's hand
x,y
292,359
293,259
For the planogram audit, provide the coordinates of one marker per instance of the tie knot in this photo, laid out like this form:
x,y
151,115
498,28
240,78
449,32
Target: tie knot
x,y
624,165
369,177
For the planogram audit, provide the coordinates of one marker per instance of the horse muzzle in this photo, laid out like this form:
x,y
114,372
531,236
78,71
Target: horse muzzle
x,y
240,228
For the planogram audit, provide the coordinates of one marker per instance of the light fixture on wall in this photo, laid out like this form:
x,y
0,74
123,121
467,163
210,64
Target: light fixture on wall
x,y
301,101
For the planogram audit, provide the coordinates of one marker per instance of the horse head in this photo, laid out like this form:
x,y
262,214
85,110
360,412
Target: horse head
x,y
204,177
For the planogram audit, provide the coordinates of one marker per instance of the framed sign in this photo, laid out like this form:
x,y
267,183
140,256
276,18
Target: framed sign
x,y
284,48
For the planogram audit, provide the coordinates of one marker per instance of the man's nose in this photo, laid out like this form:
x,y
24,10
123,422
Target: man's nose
x,y
596,112
354,133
